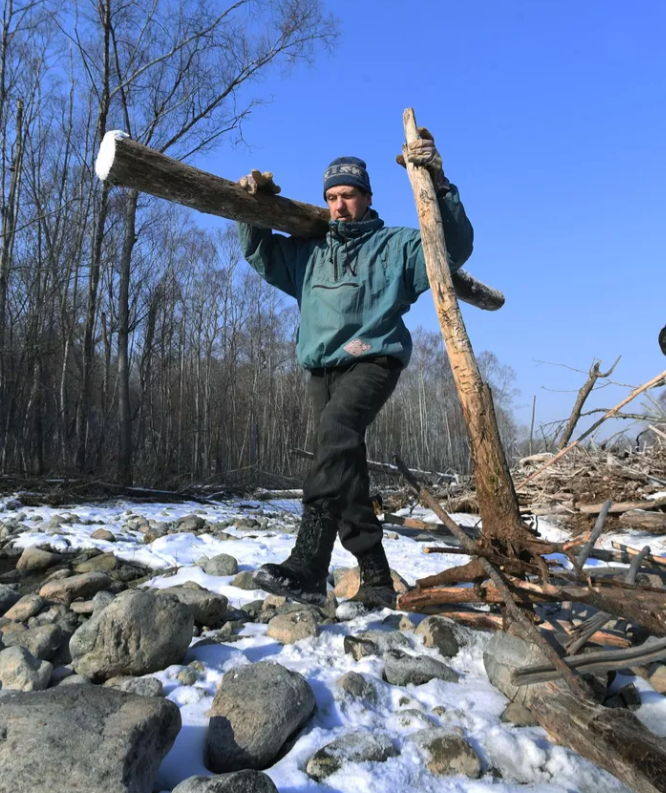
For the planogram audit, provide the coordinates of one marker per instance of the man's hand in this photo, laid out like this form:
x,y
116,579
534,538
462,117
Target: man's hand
x,y
662,340
258,181
423,152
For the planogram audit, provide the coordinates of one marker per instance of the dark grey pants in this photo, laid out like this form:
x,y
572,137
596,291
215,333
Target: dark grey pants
x,y
345,401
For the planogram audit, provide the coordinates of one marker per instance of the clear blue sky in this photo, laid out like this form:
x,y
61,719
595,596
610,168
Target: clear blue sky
x,y
551,118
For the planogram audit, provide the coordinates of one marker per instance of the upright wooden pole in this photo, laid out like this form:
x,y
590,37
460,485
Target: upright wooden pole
x,y
498,504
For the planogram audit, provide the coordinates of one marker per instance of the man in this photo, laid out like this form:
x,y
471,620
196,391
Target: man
x,y
352,289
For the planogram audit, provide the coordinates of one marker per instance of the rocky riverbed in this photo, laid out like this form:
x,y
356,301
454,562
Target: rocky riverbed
x,y
136,655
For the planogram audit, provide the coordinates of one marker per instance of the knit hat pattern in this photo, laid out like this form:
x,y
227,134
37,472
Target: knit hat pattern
x,y
348,171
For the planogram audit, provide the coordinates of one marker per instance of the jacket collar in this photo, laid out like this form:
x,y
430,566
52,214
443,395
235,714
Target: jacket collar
x,y
343,228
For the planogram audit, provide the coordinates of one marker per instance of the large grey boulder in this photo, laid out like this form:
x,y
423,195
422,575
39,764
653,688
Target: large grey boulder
x,y
255,711
139,632
401,669
83,738
208,608
238,782
21,670
504,653
355,747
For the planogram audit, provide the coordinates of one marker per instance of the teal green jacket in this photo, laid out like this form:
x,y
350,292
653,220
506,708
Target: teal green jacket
x,y
354,286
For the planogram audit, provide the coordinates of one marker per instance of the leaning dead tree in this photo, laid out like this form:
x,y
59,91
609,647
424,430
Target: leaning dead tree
x,y
125,162
510,566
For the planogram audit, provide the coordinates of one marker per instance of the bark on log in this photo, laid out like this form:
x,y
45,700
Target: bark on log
x,y
612,738
122,161
439,528
601,661
623,506
645,521
647,608
498,503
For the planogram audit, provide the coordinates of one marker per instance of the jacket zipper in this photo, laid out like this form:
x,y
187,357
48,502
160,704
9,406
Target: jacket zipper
x,y
323,286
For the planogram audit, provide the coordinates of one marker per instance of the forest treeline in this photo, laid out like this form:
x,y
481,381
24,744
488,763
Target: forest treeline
x,y
136,345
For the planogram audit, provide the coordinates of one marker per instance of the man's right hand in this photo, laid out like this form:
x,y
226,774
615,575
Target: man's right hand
x,y
258,181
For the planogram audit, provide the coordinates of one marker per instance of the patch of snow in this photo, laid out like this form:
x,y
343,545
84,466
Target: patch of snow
x,y
107,152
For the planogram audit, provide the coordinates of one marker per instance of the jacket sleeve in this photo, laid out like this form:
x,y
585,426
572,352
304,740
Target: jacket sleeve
x,y
459,237
275,257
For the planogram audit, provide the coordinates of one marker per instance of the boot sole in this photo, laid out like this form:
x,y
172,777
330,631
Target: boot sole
x,y
275,587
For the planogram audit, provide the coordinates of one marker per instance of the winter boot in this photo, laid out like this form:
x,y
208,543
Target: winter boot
x,y
376,588
303,575
662,340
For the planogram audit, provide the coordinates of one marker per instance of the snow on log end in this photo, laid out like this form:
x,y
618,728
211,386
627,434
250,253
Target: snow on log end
x,y
107,153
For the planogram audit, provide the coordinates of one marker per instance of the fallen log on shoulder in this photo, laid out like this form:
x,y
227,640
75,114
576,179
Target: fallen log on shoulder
x,y
612,738
122,161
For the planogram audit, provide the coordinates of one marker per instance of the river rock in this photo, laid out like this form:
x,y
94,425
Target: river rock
x,y
359,746
448,753
504,653
103,534
385,640
190,523
28,606
8,596
20,670
439,632
256,709
348,585
238,782
208,608
222,564
65,590
401,669
245,580
82,737
359,648
293,627
37,560
42,641
103,563
138,633
141,686
357,686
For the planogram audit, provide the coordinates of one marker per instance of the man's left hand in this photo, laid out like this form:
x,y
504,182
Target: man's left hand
x,y
423,152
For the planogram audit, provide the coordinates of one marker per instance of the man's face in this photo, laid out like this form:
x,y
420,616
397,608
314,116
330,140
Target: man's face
x,y
347,203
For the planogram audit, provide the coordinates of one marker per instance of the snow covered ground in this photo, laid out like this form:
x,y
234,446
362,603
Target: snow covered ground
x,y
514,759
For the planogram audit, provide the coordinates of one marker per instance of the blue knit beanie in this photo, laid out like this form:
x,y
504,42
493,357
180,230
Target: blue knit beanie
x,y
348,171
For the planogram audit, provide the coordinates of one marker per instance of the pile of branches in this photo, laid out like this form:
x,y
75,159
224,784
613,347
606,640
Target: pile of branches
x,y
572,491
